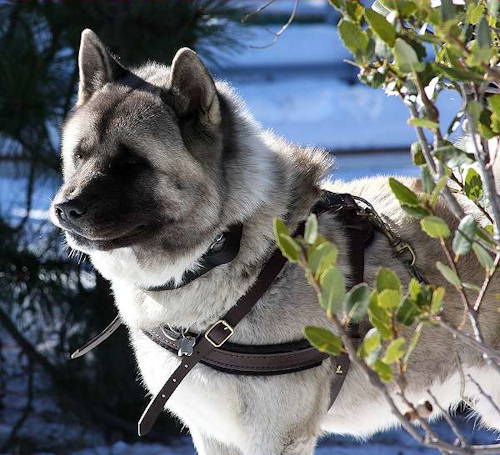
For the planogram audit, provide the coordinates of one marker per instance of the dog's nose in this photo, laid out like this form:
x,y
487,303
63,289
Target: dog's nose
x,y
71,210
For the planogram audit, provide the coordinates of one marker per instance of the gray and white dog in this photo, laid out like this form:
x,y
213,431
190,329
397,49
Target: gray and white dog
x,y
158,161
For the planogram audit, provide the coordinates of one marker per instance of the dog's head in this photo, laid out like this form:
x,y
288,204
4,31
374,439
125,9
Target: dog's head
x,y
141,154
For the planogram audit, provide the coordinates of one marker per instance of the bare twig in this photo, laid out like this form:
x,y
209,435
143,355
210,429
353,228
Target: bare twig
x,y
472,342
486,283
257,11
282,30
486,395
449,420
436,172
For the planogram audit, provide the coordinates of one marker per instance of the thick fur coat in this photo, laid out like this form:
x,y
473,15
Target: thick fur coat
x,y
157,162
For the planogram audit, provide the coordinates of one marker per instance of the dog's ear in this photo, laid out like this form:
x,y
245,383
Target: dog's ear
x,y
97,66
193,89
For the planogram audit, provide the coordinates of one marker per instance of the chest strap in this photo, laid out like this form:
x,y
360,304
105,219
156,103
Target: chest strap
x,y
249,360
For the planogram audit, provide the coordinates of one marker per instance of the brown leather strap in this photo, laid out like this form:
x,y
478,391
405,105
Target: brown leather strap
x,y
253,359
111,328
213,338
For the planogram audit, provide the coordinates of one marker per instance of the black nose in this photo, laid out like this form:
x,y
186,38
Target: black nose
x,y
71,210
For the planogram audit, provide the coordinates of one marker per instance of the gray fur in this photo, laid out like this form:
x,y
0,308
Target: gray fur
x,y
207,165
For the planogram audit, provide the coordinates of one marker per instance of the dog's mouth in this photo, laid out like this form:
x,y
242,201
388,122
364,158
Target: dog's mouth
x,y
134,236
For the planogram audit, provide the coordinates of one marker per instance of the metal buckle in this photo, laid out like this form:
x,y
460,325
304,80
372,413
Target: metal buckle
x,y
226,327
400,249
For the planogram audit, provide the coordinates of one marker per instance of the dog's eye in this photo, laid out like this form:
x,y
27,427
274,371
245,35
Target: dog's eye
x,y
78,157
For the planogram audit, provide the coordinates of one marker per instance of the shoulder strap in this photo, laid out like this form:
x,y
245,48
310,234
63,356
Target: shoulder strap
x,y
213,338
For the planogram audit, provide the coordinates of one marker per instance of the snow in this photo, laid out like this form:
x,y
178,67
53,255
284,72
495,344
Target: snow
x,y
304,44
302,88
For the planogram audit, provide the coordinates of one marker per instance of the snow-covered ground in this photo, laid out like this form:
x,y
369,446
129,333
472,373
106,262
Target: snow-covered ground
x,y
302,88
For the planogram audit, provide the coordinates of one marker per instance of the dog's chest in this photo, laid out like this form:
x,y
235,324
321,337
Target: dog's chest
x,y
205,399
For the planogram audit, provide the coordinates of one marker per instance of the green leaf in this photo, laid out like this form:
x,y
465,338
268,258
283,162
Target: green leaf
x,y
435,227
494,104
464,235
483,256
485,233
473,185
406,58
423,123
413,342
383,370
440,184
472,286
289,247
372,341
394,351
478,55
474,12
279,228
353,37
416,154
437,300
379,317
403,193
332,284
414,288
457,74
354,10
379,24
389,299
311,229
321,257
483,34
447,10
323,340
427,181
416,212
407,312
449,274
387,279
356,302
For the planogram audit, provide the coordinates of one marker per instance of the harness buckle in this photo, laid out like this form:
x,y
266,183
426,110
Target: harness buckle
x,y
401,247
221,326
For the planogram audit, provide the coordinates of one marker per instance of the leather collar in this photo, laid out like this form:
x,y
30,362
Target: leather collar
x,y
222,250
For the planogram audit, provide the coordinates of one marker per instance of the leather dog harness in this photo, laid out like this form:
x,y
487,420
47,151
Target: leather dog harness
x,y
213,349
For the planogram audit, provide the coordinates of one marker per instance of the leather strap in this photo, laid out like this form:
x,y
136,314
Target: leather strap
x,y
223,250
271,359
111,328
213,338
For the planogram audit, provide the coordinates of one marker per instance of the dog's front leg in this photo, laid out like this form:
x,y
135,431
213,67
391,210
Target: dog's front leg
x,y
206,445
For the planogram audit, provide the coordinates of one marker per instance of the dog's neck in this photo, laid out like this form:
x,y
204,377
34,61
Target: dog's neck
x,y
268,178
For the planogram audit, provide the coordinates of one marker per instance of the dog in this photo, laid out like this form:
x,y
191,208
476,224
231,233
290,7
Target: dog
x,y
157,162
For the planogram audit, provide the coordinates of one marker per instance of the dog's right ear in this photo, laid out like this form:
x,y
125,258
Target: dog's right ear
x,y
193,89
97,66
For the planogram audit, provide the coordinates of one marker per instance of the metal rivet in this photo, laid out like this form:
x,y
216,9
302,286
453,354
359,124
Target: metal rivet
x,y
174,380
163,395
186,366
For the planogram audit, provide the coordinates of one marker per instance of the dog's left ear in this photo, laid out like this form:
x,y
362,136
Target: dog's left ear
x,y
193,89
97,66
